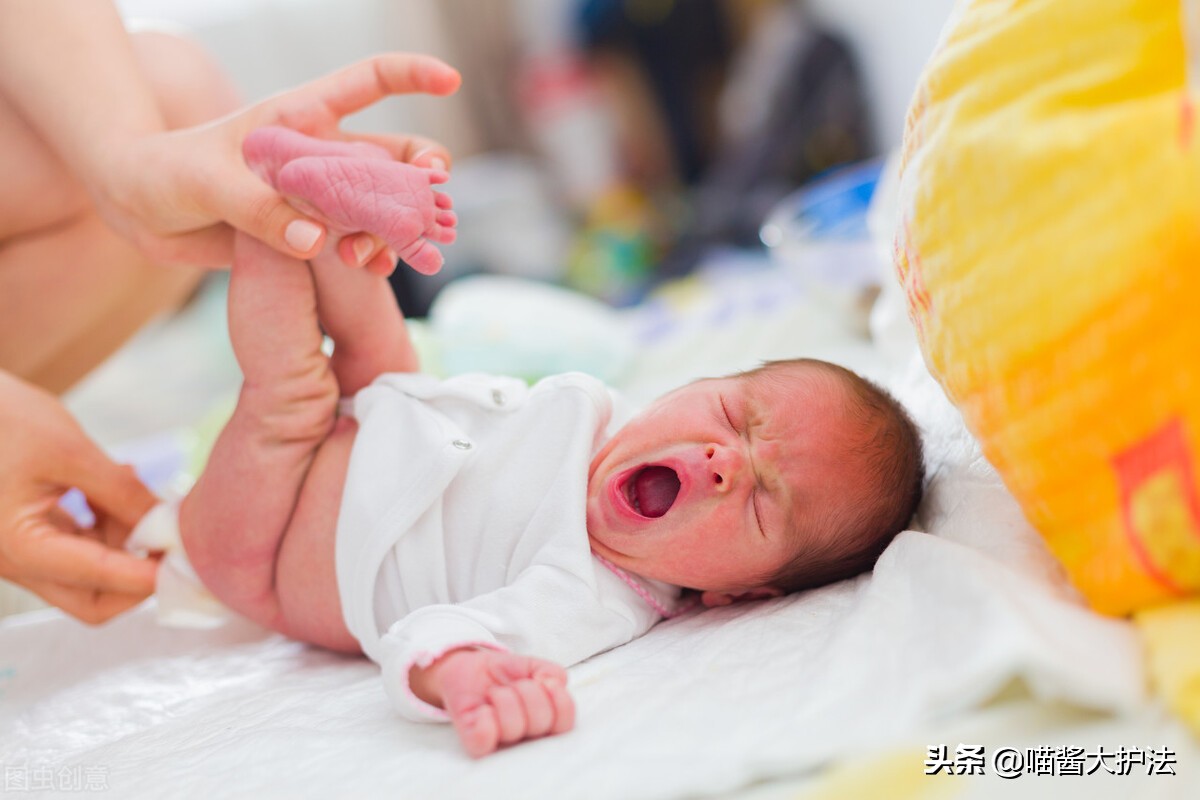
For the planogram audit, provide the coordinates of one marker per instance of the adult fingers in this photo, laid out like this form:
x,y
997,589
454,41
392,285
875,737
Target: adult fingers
x,y
113,488
416,150
86,605
384,263
366,82
81,562
259,211
360,249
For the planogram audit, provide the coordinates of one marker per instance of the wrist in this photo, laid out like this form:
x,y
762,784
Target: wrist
x,y
105,169
426,682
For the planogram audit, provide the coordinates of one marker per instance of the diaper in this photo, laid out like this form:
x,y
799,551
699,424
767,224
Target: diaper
x,y
183,601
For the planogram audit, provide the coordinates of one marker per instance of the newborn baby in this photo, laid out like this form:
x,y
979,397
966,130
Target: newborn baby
x,y
476,535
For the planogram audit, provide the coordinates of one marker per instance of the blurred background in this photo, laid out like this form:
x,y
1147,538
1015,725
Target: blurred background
x,y
606,145
647,190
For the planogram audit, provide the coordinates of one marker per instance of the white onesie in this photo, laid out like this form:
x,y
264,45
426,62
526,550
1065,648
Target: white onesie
x,y
463,521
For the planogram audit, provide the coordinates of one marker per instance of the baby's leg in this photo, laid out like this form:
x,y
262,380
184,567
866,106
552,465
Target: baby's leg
x,y
234,520
259,525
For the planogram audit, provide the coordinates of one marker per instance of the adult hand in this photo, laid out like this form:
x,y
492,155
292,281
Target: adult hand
x,y
180,195
80,570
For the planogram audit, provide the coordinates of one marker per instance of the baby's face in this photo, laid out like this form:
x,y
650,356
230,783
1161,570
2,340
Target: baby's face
x,y
705,487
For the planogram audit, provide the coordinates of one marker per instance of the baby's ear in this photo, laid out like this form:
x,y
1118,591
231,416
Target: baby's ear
x,y
714,599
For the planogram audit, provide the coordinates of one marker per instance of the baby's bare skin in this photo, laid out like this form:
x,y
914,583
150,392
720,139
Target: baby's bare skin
x,y
277,471
260,524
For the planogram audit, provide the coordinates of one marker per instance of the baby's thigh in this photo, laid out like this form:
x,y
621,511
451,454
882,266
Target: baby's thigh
x,y
306,578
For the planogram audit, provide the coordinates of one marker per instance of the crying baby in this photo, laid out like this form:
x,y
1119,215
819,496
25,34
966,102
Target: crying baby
x,y
474,536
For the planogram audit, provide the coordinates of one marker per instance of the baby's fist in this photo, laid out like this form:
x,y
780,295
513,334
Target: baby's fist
x,y
496,698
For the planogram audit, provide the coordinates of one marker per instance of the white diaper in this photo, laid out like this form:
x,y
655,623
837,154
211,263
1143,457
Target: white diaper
x,y
183,602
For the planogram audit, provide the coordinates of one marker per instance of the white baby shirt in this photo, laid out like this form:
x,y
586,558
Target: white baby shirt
x,y
463,521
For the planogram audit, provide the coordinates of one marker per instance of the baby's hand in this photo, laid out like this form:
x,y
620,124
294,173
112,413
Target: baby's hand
x,y
496,698
356,187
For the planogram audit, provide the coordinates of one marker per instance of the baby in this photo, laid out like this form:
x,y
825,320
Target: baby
x,y
475,535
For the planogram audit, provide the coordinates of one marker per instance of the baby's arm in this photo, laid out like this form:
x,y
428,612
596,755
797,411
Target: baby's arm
x,y
463,660
496,698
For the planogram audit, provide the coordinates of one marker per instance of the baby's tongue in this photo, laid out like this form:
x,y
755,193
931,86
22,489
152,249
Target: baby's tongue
x,y
656,489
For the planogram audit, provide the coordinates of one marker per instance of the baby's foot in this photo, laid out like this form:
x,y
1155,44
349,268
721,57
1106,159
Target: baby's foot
x,y
358,187
266,150
393,200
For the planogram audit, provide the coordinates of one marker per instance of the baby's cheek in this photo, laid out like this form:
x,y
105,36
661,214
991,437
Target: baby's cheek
x,y
698,562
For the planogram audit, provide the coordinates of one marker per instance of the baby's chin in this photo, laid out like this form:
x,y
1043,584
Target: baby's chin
x,y
601,548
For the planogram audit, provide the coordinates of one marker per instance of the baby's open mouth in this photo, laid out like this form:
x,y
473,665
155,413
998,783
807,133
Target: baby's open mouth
x,y
651,491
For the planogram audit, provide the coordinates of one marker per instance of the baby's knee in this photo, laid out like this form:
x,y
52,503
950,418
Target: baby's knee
x,y
297,407
189,84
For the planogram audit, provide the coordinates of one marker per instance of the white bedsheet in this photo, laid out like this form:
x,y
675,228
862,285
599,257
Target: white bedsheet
x,y
703,704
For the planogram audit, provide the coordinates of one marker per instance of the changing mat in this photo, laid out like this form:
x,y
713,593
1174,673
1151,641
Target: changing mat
x,y
705,703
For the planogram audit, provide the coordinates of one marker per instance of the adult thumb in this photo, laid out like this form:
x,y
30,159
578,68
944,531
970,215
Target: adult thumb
x,y
112,488
265,215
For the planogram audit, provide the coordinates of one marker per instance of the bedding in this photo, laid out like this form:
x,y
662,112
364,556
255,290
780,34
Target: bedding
x,y
967,627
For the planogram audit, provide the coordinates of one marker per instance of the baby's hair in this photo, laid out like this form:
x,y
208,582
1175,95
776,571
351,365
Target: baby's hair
x,y
847,541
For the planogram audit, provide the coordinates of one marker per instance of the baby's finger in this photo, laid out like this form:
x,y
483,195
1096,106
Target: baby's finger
x,y
564,707
548,672
478,731
510,714
539,709
443,201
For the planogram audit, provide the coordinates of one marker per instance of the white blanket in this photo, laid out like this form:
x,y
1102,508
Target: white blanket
x,y
702,704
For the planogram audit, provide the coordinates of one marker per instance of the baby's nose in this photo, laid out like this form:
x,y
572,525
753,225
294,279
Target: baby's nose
x,y
723,465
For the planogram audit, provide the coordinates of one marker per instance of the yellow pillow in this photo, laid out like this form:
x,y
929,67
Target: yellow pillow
x,y
1050,251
